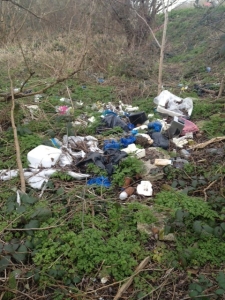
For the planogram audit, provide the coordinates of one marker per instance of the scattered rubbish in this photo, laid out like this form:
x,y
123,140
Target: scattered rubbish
x,y
100,80
99,181
111,144
127,141
127,182
87,143
152,172
7,175
16,90
36,178
141,127
140,153
163,162
181,141
106,162
145,188
92,119
138,118
208,69
64,110
188,127
113,121
160,140
185,154
126,193
37,98
104,280
171,105
179,163
130,108
155,126
56,143
66,100
176,127
43,156
33,110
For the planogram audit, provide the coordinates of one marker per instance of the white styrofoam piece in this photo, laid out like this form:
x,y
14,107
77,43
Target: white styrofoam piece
x,y
145,188
43,156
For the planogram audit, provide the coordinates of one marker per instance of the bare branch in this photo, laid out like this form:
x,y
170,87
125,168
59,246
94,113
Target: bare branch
x,y
24,8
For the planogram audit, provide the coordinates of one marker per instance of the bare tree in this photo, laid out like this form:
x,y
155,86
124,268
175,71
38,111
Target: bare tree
x,y
135,25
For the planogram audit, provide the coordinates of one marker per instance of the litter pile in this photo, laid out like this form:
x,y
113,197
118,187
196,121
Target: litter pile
x,y
140,138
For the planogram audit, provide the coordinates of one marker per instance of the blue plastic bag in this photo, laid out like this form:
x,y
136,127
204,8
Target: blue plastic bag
x,y
111,145
155,126
99,181
127,141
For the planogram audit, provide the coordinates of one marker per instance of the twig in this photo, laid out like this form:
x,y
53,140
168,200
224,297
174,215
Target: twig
x,y
208,187
16,141
203,145
221,88
26,229
199,296
126,285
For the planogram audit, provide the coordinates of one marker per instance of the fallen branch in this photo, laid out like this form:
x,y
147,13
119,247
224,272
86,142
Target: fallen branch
x,y
8,96
126,285
16,141
208,91
213,140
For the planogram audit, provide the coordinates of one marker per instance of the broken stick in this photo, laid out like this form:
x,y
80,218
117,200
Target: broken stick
x,y
126,285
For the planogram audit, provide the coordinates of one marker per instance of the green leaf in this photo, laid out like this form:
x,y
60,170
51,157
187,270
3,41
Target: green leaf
x,y
193,293
218,231
179,215
60,191
220,292
32,224
182,183
194,183
21,254
28,199
8,248
4,263
197,227
76,279
21,209
222,225
10,207
198,288
174,184
42,213
207,228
